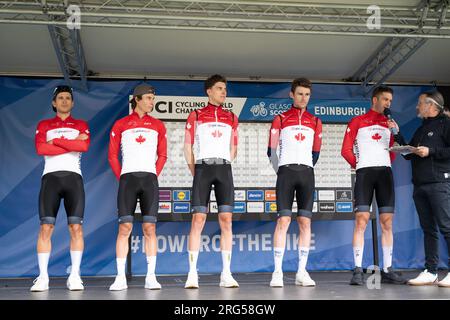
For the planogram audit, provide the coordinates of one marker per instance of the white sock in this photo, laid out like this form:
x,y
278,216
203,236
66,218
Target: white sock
x,y
75,257
358,256
43,264
151,265
387,258
193,256
121,262
226,261
278,254
302,258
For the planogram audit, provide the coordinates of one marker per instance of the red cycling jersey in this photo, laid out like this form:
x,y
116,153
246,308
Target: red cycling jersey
x,y
144,145
297,135
214,129
64,153
367,141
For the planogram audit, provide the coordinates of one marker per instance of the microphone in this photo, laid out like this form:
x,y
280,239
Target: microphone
x,y
387,113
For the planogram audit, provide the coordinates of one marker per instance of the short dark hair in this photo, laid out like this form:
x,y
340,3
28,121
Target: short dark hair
x,y
212,80
380,89
133,101
300,82
437,97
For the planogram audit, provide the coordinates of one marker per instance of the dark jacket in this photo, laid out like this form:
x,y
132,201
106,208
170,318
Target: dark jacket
x,y
434,133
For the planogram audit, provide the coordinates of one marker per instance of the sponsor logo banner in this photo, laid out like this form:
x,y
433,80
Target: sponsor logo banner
x,y
165,207
179,107
239,195
327,195
344,207
270,195
255,207
239,207
339,111
213,208
326,207
255,195
271,207
212,196
344,195
165,195
181,195
181,207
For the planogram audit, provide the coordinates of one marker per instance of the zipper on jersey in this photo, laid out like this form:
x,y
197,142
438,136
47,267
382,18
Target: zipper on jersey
x,y
215,113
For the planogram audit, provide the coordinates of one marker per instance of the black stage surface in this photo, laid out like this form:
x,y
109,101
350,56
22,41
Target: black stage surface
x,y
253,286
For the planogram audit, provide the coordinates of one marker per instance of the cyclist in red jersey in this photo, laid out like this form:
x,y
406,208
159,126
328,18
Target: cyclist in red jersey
x,y
215,132
61,140
298,136
142,140
366,148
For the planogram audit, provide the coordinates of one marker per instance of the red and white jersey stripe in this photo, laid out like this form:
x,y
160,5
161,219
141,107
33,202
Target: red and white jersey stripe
x,y
143,142
64,153
297,135
213,129
367,141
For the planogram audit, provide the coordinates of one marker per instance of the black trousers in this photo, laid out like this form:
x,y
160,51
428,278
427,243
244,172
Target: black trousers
x,y
433,206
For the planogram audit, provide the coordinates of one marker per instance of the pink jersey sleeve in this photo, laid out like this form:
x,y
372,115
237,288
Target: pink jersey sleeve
x,y
274,135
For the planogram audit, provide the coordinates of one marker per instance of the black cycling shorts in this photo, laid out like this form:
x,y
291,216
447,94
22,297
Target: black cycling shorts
x,y
218,174
59,185
134,186
296,178
380,180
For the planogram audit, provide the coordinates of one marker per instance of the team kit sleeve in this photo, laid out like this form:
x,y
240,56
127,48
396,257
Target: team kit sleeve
x,y
348,142
391,153
74,144
42,147
317,143
113,150
189,132
274,138
161,150
234,132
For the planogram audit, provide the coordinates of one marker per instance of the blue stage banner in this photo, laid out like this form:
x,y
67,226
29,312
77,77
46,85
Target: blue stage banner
x,y
26,101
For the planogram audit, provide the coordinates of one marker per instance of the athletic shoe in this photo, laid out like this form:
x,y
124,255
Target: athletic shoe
x,y
120,283
303,279
277,280
358,277
40,284
192,281
151,282
392,277
424,278
445,282
74,283
227,281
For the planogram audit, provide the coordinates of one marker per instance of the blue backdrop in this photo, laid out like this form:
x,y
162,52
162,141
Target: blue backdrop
x,y
26,101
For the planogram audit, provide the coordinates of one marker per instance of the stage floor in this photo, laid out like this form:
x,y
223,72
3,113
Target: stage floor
x,y
253,286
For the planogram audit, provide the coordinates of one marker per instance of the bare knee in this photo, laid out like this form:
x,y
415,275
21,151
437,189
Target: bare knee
x,y
149,229
76,230
304,224
46,231
283,223
198,221
125,229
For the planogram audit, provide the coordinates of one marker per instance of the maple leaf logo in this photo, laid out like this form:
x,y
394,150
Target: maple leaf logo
x,y
300,137
216,134
140,139
376,137
62,137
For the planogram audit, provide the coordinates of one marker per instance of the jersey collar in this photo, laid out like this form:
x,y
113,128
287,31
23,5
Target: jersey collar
x,y
69,118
